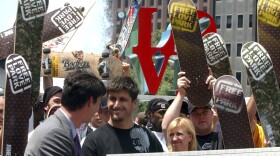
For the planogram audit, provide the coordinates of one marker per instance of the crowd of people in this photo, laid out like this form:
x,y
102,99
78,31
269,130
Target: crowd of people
x,y
88,118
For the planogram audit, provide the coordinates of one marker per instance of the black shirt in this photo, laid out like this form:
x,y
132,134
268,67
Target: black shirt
x,y
111,140
212,141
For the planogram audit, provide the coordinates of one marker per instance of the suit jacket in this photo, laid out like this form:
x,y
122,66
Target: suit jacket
x,y
52,137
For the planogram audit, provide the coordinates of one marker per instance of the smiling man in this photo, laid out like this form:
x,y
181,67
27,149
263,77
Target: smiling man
x,y
121,134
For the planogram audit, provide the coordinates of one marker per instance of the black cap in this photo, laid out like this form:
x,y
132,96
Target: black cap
x,y
156,104
49,92
103,103
192,107
184,107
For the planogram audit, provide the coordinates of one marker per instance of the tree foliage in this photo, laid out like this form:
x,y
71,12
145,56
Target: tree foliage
x,y
156,35
167,80
166,86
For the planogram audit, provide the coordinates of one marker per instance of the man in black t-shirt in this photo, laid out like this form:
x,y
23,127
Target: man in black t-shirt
x,y
202,119
121,134
155,111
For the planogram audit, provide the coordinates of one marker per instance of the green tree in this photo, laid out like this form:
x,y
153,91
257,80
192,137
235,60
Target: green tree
x,y
156,35
166,85
142,106
167,80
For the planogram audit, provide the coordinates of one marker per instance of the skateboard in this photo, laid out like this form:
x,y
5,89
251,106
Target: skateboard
x,y
64,62
190,49
216,54
269,30
2,73
46,63
17,105
28,40
232,111
128,23
265,89
62,21
56,23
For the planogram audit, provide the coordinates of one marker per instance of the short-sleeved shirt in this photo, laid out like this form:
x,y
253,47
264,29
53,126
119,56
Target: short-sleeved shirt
x,y
259,136
212,141
111,140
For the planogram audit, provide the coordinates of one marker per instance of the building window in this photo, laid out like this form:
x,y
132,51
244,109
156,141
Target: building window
x,y
238,76
143,3
205,8
238,49
119,26
250,21
126,3
159,2
159,25
151,2
240,21
228,46
119,3
218,22
229,19
159,13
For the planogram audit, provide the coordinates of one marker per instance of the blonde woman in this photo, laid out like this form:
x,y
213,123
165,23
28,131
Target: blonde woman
x,y
181,135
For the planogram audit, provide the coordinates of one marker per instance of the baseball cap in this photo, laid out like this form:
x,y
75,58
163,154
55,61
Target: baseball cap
x,y
192,107
103,103
184,107
49,92
156,104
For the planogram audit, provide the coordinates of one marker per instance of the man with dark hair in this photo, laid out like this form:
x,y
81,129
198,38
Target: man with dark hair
x,y
51,98
202,119
121,134
57,135
155,111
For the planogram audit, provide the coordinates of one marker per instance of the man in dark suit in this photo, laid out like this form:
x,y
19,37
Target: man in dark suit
x,y
57,135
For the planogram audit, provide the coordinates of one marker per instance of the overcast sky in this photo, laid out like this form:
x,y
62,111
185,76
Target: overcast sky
x,y
91,37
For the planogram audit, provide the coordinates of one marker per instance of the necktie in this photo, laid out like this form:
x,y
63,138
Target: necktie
x,y
78,146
